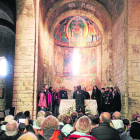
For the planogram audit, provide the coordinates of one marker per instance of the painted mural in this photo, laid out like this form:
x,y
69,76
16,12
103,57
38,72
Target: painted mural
x,y
76,53
77,32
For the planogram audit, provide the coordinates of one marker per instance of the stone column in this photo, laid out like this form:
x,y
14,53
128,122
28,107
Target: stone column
x,y
25,57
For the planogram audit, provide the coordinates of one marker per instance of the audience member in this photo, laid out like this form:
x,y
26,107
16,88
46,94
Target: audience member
x,y
50,127
67,128
12,132
28,136
60,119
94,120
48,113
118,123
83,128
37,126
74,116
104,131
6,120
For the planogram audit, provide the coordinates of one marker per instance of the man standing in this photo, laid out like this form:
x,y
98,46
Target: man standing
x,y
79,99
72,92
87,96
104,131
63,93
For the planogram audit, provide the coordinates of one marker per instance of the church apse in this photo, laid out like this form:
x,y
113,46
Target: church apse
x,y
77,45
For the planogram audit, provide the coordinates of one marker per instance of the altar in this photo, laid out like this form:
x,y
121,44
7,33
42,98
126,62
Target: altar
x,y
67,106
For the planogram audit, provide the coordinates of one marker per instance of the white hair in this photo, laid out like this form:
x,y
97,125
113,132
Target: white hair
x,y
11,128
9,118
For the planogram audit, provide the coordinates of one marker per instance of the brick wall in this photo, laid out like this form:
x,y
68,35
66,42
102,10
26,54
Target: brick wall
x,y
134,56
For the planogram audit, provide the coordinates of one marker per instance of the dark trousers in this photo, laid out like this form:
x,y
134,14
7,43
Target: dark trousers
x,y
80,108
56,110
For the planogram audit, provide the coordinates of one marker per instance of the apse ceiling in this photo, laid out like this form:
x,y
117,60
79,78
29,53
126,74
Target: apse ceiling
x,y
77,31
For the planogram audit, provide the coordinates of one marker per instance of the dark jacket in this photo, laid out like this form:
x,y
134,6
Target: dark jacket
x,y
63,94
105,132
47,134
79,96
5,137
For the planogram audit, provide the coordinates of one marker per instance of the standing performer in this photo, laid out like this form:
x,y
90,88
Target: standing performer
x,y
63,93
56,99
42,100
116,100
96,96
49,98
79,99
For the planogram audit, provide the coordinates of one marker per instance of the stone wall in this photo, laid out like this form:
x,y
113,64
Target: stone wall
x,y
133,56
24,67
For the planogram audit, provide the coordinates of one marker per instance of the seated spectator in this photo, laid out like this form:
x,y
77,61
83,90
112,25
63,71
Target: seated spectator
x,y
39,114
104,131
6,120
37,127
12,132
50,127
83,127
60,119
94,120
28,136
135,130
67,128
126,123
19,115
74,116
118,123
48,113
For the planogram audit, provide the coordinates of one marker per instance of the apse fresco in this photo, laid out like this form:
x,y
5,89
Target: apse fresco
x,y
77,32
76,53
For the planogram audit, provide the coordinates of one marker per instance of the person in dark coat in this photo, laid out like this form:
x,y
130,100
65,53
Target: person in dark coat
x,y
116,100
108,107
104,131
63,93
79,99
103,100
87,96
12,132
96,95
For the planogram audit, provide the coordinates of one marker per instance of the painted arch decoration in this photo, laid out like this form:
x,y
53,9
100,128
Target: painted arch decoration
x,y
77,31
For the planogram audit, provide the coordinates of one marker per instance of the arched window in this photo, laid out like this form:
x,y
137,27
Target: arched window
x,y
3,66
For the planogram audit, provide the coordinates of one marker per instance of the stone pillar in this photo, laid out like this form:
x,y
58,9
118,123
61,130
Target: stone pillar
x,y
25,58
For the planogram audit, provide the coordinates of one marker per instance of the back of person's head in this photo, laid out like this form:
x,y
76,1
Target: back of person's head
x,y
105,117
27,114
126,122
67,120
60,118
83,124
135,130
8,118
116,115
80,115
19,115
11,128
74,116
48,113
50,122
28,136
39,121
41,114
94,119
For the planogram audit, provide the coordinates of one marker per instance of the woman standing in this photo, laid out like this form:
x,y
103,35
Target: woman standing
x,y
42,100
96,96
116,100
